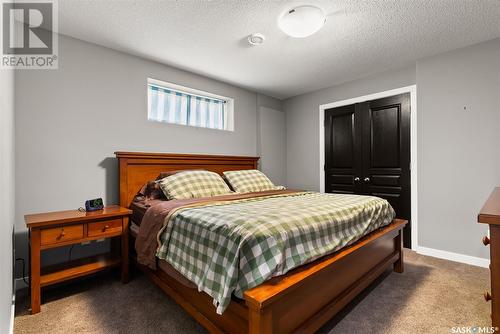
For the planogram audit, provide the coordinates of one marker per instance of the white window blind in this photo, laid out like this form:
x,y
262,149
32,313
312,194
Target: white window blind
x,y
168,103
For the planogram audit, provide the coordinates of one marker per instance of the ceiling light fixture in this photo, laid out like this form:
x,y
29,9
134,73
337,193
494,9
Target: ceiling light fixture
x,y
302,21
256,39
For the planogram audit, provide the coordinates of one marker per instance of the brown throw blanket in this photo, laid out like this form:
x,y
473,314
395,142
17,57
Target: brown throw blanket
x,y
146,242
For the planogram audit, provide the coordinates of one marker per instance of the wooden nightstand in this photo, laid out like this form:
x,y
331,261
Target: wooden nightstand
x,y
56,229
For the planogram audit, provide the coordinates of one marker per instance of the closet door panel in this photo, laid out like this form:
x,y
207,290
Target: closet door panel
x,y
385,144
386,152
342,150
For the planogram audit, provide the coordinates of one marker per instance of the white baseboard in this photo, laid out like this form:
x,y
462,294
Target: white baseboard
x,y
441,254
18,284
12,313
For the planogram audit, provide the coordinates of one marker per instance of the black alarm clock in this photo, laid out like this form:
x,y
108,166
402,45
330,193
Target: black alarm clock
x,y
94,204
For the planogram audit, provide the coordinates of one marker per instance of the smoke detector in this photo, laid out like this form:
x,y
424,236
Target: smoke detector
x,y
256,39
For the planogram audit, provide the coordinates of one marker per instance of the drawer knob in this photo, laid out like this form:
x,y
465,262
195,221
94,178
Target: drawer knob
x,y
62,234
487,296
105,228
486,241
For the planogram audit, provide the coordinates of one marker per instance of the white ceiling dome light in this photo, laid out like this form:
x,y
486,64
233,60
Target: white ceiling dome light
x,y
302,21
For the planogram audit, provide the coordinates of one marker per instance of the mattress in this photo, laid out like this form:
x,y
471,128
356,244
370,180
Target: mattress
x,y
139,206
134,229
164,265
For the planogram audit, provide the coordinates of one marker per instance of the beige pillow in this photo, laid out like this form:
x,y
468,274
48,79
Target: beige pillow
x,y
193,184
250,180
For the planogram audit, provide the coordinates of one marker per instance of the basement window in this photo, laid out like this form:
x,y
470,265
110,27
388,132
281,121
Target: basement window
x,y
171,103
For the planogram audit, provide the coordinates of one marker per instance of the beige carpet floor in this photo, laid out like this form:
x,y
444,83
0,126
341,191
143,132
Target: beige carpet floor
x,y
431,296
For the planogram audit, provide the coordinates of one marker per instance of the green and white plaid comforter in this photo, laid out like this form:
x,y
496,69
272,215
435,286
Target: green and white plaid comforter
x,y
229,247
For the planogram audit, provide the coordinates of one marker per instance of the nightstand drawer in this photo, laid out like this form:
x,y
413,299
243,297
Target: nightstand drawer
x,y
50,236
104,227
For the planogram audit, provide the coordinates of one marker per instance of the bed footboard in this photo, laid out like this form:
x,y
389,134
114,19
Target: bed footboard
x,y
305,299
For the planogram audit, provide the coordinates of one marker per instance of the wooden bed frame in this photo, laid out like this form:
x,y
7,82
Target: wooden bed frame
x,y
300,301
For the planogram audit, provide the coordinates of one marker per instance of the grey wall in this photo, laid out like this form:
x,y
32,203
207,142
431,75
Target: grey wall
x,y
458,150
6,195
271,141
458,154
269,102
70,121
272,144
302,122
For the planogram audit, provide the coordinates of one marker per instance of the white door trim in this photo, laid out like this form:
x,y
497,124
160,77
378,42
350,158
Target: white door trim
x,y
413,145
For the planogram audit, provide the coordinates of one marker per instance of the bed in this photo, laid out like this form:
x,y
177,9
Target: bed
x,y
301,300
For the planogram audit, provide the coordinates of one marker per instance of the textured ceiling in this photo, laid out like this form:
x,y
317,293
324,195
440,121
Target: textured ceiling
x,y
209,37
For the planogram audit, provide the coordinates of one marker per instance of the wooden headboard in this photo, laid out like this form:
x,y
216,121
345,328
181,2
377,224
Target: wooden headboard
x,y
136,168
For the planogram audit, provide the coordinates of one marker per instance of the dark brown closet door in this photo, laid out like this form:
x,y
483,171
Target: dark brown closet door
x,y
386,153
343,152
367,151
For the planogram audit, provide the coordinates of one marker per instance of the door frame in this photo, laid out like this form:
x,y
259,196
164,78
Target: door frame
x,y
413,145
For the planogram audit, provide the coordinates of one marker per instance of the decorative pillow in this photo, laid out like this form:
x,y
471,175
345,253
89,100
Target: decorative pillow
x,y
193,184
172,172
151,190
250,180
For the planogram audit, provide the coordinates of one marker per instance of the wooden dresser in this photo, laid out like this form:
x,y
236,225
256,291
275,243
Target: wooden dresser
x,y
490,214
